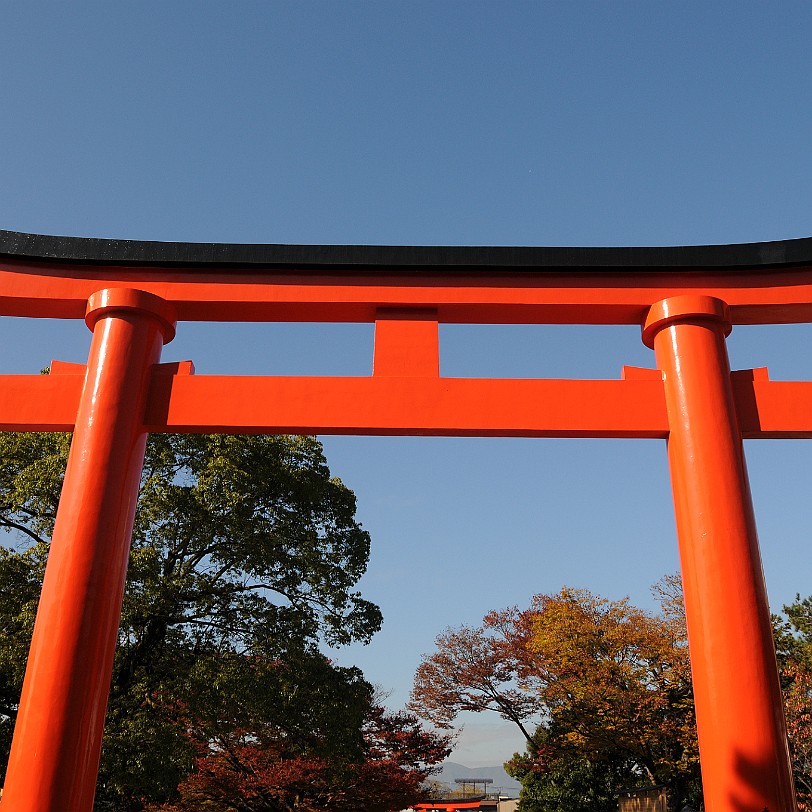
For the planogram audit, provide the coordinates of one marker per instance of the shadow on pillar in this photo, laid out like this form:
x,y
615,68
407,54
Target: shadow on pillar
x,y
754,775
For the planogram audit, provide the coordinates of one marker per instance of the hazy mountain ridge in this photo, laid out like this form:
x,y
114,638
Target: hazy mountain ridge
x,y
452,770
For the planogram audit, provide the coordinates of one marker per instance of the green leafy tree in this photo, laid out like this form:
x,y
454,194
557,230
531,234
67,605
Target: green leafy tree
x,y
556,782
244,549
19,593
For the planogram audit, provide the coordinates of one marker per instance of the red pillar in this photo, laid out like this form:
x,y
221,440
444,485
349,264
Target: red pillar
x,y
57,741
740,719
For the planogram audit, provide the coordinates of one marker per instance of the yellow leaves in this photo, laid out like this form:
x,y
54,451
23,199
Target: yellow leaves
x,y
592,641
612,676
610,682
574,739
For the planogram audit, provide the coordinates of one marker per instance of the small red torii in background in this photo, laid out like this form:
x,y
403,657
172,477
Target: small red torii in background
x,y
132,294
451,805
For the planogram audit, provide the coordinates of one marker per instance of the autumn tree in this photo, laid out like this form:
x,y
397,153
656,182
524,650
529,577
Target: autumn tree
x,y
474,669
793,636
609,683
243,548
615,680
338,749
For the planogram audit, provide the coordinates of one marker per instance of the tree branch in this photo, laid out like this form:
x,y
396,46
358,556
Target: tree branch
x,y
22,528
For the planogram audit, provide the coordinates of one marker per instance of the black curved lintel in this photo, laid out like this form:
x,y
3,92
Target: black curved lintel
x,y
760,255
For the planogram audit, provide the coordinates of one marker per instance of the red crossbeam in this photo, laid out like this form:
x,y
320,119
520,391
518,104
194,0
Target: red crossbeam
x,y
428,406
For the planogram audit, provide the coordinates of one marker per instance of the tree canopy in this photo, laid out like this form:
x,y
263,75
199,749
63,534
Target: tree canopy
x,y
606,688
608,684
245,556
793,636
473,669
335,749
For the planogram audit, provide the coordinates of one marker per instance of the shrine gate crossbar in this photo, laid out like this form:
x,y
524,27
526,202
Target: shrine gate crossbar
x,y
132,295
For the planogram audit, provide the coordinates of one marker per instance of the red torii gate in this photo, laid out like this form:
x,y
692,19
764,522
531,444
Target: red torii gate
x,y
451,804
131,294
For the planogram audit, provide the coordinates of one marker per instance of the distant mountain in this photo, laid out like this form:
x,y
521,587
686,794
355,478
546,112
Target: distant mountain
x,y
501,780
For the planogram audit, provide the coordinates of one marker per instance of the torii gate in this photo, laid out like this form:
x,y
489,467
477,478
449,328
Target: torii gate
x,y
451,804
132,293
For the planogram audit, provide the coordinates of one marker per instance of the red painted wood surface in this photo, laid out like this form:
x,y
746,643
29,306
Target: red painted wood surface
x,y
740,722
57,739
692,400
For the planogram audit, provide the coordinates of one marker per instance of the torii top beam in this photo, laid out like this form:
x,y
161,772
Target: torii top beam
x,y
44,276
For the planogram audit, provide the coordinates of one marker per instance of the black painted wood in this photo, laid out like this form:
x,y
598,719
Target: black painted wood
x,y
438,258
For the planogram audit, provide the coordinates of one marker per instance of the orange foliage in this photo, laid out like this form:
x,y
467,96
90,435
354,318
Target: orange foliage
x,y
472,670
798,708
607,680
615,680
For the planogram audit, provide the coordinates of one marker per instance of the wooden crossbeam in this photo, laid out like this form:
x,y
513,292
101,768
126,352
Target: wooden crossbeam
x,y
398,405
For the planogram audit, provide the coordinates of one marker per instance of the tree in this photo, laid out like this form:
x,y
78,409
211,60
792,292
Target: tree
x,y
473,670
615,681
553,782
610,683
793,637
376,760
798,708
243,547
19,593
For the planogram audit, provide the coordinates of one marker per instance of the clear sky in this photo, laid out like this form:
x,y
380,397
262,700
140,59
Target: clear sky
x,y
462,123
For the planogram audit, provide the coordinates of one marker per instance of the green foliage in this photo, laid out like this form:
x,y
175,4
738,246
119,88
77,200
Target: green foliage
x,y
241,542
19,593
245,555
31,471
793,632
574,784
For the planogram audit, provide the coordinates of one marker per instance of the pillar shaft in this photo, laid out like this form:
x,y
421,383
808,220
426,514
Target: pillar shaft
x,y
740,721
57,740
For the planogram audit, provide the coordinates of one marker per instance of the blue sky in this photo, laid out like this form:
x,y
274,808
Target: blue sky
x,y
471,123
